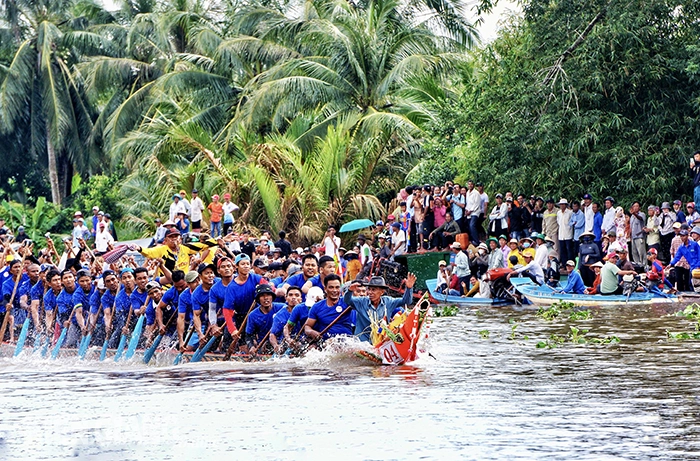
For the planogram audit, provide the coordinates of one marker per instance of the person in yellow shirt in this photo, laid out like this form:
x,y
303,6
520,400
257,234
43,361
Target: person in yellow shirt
x,y
515,251
527,247
177,256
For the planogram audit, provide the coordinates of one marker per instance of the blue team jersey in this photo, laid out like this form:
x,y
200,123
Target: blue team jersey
x,y
82,299
184,304
49,300
279,321
24,288
37,291
200,302
122,302
64,303
138,299
217,294
8,286
260,323
297,280
325,314
95,301
171,299
240,297
107,300
298,317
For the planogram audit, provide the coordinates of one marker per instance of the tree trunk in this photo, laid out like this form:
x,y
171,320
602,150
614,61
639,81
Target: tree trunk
x,y
53,170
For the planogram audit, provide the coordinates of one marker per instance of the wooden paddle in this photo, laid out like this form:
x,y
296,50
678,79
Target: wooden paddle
x,y
178,359
64,331
234,343
325,330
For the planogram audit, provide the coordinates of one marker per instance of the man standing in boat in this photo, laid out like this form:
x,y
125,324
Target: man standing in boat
x,y
376,302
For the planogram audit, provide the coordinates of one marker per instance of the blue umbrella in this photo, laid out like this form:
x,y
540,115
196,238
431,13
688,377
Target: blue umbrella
x,y
356,225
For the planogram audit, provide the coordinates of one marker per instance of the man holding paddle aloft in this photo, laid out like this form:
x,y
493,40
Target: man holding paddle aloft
x,y
375,301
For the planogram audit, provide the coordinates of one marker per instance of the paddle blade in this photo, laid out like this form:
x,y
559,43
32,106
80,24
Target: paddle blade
x,y
178,359
103,352
22,337
59,343
85,343
200,352
113,256
135,335
152,350
120,348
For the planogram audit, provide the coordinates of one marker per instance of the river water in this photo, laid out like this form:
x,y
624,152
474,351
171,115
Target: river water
x,y
488,393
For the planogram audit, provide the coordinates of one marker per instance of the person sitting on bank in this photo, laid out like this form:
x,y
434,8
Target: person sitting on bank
x,y
574,283
376,302
609,284
444,236
530,269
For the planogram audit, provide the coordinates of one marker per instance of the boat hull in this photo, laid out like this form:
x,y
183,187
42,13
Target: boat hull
x,y
439,298
545,296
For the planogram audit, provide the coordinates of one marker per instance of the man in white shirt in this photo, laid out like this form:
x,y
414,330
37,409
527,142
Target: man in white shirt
x,y
331,242
566,231
608,216
542,251
587,208
176,207
530,269
398,241
103,239
460,267
196,209
472,211
365,250
484,209
185,202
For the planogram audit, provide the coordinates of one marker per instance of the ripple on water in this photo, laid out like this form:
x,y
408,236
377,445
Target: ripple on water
x,y
476,398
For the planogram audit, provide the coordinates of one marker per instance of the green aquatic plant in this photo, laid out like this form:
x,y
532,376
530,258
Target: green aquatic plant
x,y
484,334
513,327
683,335
576,336
692,311
552,342
607,340
446,311
581,315
550,313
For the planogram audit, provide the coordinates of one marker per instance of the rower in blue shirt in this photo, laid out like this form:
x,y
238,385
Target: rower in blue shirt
x,y
122,306
574,283
279,321
297,318
328,311
376,303
8,286
64,304
107,300
167,309
81,303
53,282
260,319
25,297
185,313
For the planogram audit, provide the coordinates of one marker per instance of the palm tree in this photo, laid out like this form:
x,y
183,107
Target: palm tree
x,y
42,91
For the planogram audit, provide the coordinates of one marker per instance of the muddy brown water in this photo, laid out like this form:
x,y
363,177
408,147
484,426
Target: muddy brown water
x,y
497,397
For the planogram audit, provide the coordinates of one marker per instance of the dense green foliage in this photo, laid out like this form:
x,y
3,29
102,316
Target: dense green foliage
x,y
314,112
618,115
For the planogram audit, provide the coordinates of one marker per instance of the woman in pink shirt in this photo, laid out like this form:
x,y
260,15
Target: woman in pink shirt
x,y
439,211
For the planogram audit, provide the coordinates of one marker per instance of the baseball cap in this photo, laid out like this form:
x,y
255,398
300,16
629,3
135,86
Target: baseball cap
x,y
152,285
191,276
204,266
172,233
683,232
587,197
569,263
241,257
652,251
676,225
260,263
379,223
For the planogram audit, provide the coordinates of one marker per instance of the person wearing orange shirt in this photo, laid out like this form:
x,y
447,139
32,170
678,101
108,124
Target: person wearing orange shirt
x,y
216,210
